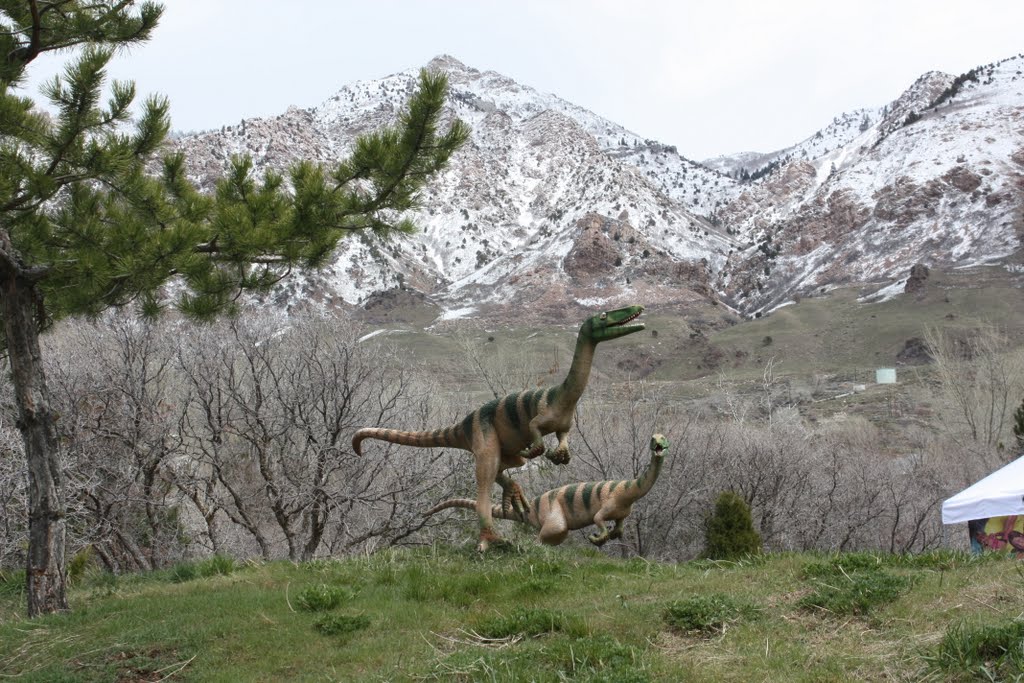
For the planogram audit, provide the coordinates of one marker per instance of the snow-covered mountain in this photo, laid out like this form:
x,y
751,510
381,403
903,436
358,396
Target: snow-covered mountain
x,y
936,177
550,207
541,184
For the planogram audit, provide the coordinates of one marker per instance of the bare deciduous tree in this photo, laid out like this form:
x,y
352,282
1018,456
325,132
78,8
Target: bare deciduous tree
x,y
505,368
115,393
267,433
982,378
13,495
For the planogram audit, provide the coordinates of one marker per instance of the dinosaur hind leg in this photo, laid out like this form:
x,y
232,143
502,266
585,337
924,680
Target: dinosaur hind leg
x,y
604,534
554,530
487,456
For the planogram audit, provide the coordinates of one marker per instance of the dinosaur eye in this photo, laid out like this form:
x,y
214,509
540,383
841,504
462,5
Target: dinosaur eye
x,y
603,316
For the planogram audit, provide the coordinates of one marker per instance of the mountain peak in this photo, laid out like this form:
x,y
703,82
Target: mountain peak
x,y
445,62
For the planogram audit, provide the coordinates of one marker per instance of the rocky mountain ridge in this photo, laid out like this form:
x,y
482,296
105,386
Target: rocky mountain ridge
x,y
939,180
550,209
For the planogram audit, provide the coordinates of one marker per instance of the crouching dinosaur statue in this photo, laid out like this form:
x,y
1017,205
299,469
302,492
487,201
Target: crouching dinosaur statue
x,y
506,432
576,506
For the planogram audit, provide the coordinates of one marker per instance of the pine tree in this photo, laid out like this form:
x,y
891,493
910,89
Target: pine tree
x,y
85,227
729,531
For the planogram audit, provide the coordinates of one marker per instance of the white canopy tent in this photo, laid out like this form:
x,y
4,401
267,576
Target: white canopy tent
x,y
997,495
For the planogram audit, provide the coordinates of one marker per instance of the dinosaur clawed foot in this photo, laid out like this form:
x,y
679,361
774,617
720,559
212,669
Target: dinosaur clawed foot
x,y
599,539
559,456
514,498
487,537
531,452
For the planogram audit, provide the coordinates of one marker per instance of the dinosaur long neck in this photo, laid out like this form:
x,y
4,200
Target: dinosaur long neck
x,y
646,480
579,372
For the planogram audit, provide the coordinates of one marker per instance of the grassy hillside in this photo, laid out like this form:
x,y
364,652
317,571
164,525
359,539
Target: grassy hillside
x,y
838,332
531,613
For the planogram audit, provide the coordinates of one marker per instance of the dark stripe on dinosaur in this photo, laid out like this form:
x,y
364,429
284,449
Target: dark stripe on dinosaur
x,y
533,402
512,410
588,490
522,409
467,428
487,412
570,495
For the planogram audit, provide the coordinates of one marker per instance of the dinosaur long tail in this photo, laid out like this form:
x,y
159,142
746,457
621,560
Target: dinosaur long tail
x,y
452,437
468,503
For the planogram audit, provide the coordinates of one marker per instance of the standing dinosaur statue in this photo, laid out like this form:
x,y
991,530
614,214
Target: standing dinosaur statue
x,y
576,506
506,432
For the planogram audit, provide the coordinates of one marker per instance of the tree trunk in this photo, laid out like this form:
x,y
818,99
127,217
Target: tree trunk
x,y
46,575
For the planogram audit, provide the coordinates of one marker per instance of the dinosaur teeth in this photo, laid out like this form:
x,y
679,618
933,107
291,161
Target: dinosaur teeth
x,y
629,319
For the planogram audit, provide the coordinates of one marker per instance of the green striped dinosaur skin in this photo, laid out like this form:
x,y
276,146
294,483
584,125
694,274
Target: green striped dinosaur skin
x,y
576,506
509,431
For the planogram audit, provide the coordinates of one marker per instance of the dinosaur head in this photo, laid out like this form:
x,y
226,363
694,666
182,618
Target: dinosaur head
x,y
612,324
659,445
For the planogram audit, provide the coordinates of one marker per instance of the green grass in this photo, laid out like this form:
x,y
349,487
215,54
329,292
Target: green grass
x,y
529,622
341,625
985,652
321,598
857,593
707,614
532,613
218,565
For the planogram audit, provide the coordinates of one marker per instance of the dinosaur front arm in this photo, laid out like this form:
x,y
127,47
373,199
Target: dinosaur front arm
x,y
536,446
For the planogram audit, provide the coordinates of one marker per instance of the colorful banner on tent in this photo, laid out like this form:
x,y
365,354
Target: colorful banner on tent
x,y
998,533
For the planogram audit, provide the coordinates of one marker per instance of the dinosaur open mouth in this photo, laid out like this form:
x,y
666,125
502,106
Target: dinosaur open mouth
x,y
626,320
659,448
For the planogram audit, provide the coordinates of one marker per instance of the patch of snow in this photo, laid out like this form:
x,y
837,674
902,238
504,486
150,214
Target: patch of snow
x,y
782,305
458,313
884,294
371,335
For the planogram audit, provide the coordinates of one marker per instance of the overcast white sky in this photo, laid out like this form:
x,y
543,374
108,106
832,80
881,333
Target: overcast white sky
x,y
709,77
